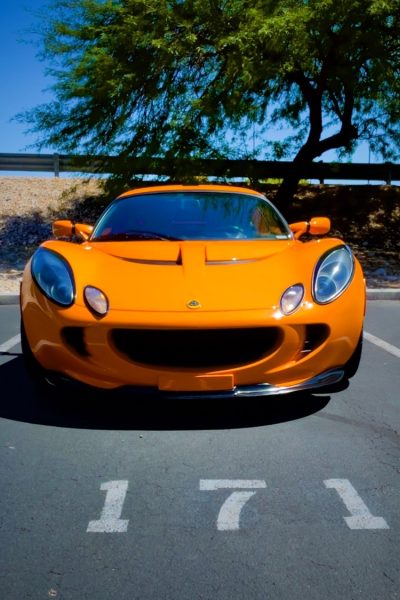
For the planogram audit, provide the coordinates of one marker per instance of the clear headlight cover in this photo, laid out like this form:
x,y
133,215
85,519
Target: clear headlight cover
x,y
333,274
96,300
53,275
291,298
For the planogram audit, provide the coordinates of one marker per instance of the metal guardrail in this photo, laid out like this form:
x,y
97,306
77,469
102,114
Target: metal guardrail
x,y
252,169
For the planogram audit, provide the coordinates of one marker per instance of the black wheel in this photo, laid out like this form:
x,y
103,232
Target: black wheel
x,y
350,369
352,364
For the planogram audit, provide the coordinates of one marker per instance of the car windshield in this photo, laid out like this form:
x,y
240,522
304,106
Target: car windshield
x,y
191,215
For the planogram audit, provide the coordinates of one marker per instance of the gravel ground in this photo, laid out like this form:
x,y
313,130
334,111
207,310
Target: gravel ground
x,y
369,222
28,205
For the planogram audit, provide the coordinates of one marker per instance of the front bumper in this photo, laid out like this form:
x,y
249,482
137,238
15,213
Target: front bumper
x,y
294,361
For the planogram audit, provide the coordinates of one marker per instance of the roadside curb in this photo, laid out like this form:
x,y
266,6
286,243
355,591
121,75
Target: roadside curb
x,y
372,294
383,294
8,298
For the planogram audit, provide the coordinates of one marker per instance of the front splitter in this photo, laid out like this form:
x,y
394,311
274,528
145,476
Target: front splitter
x,y
324,380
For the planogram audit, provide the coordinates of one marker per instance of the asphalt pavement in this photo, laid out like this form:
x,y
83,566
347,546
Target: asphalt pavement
x,y
268,499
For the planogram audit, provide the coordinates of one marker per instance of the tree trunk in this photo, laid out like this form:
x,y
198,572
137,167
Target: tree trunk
x,y
289,185
284,196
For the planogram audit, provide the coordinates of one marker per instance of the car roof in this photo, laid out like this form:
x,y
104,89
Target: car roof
x,y
191,188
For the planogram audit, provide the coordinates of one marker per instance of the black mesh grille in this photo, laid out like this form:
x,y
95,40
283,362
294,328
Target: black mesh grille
x,y
202,348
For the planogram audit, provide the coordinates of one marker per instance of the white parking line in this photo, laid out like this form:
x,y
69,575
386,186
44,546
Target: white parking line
x,y
14,341
382,344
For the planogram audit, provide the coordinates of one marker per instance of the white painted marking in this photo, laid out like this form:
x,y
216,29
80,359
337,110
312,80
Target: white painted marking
x,y
14,341
361,517
229,514
210,485
110,521
382,344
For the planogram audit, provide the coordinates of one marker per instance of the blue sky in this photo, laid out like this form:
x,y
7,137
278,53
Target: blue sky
x,y
24,83
23,80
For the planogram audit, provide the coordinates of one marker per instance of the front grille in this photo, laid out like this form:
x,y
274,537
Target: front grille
x,y
202,348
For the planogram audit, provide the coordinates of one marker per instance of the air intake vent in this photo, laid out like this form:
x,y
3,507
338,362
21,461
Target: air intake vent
x,y
75,340
315,335
202,348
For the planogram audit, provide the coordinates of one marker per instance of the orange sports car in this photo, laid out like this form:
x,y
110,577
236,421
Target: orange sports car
x,y
191,291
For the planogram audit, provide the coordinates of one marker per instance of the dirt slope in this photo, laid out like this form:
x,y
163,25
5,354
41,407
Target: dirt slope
x,y
367,217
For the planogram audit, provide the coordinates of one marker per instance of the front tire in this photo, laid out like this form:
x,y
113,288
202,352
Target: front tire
x,y
351,367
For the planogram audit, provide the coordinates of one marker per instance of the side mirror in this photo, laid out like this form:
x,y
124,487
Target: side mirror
x,y
85,231
63,229
315,226
68,229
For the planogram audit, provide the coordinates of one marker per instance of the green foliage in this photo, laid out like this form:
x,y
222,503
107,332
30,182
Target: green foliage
x,y
193,77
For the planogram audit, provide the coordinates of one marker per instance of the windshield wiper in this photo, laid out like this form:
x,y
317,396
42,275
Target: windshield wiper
x,y
135,235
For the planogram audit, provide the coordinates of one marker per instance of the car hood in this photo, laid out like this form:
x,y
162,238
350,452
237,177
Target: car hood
x,y
166,276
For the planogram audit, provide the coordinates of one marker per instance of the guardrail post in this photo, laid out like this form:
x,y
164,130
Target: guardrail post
x,y
389,175
56,162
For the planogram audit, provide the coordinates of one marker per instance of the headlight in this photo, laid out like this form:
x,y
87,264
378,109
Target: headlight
x,y
291,298
53,275
96,300
333,274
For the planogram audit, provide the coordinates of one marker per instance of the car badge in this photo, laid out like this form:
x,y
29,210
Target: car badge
x,y
193,304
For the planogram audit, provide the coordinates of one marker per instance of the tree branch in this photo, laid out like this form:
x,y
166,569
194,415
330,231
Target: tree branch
x,y
348,132
313,98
